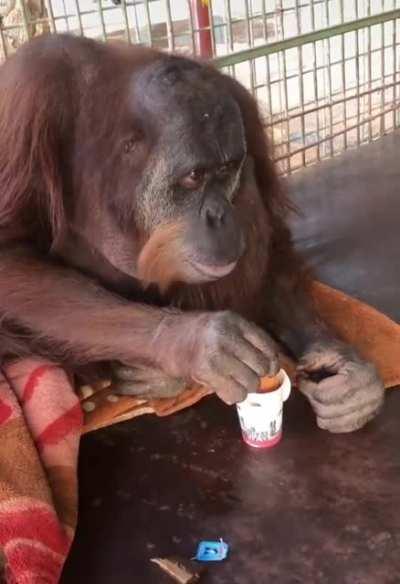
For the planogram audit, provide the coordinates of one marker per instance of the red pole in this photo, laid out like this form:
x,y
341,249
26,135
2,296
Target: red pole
x,y
202,20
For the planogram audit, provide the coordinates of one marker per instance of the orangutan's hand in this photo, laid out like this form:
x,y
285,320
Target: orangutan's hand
x,y
345,391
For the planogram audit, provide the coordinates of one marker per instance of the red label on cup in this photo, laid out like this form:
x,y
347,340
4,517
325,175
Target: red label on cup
x,y
262,443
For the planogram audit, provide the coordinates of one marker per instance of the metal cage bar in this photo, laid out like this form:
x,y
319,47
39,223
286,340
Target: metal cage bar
x,y
325,72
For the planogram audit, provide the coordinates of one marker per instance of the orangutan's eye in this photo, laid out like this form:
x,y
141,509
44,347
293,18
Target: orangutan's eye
x,y
129,145
194,179
227,169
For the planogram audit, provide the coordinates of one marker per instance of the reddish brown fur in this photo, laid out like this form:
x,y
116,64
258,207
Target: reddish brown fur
x,y
54,310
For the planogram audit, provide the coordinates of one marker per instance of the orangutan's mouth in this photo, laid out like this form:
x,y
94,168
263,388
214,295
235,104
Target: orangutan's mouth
x,y
212,271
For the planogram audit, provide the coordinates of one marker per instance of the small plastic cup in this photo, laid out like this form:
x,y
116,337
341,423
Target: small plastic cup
x,y
260,414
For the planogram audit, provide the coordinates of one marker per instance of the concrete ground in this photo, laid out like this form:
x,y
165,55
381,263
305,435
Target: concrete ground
x,y
349,228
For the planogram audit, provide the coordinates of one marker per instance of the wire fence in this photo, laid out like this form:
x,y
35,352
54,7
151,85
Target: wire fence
x,y
325,72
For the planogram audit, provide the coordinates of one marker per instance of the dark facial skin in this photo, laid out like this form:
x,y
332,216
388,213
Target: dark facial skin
x,y
193,172
142,227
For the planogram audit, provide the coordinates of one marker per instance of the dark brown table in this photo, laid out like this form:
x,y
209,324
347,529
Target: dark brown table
x,y
318,508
